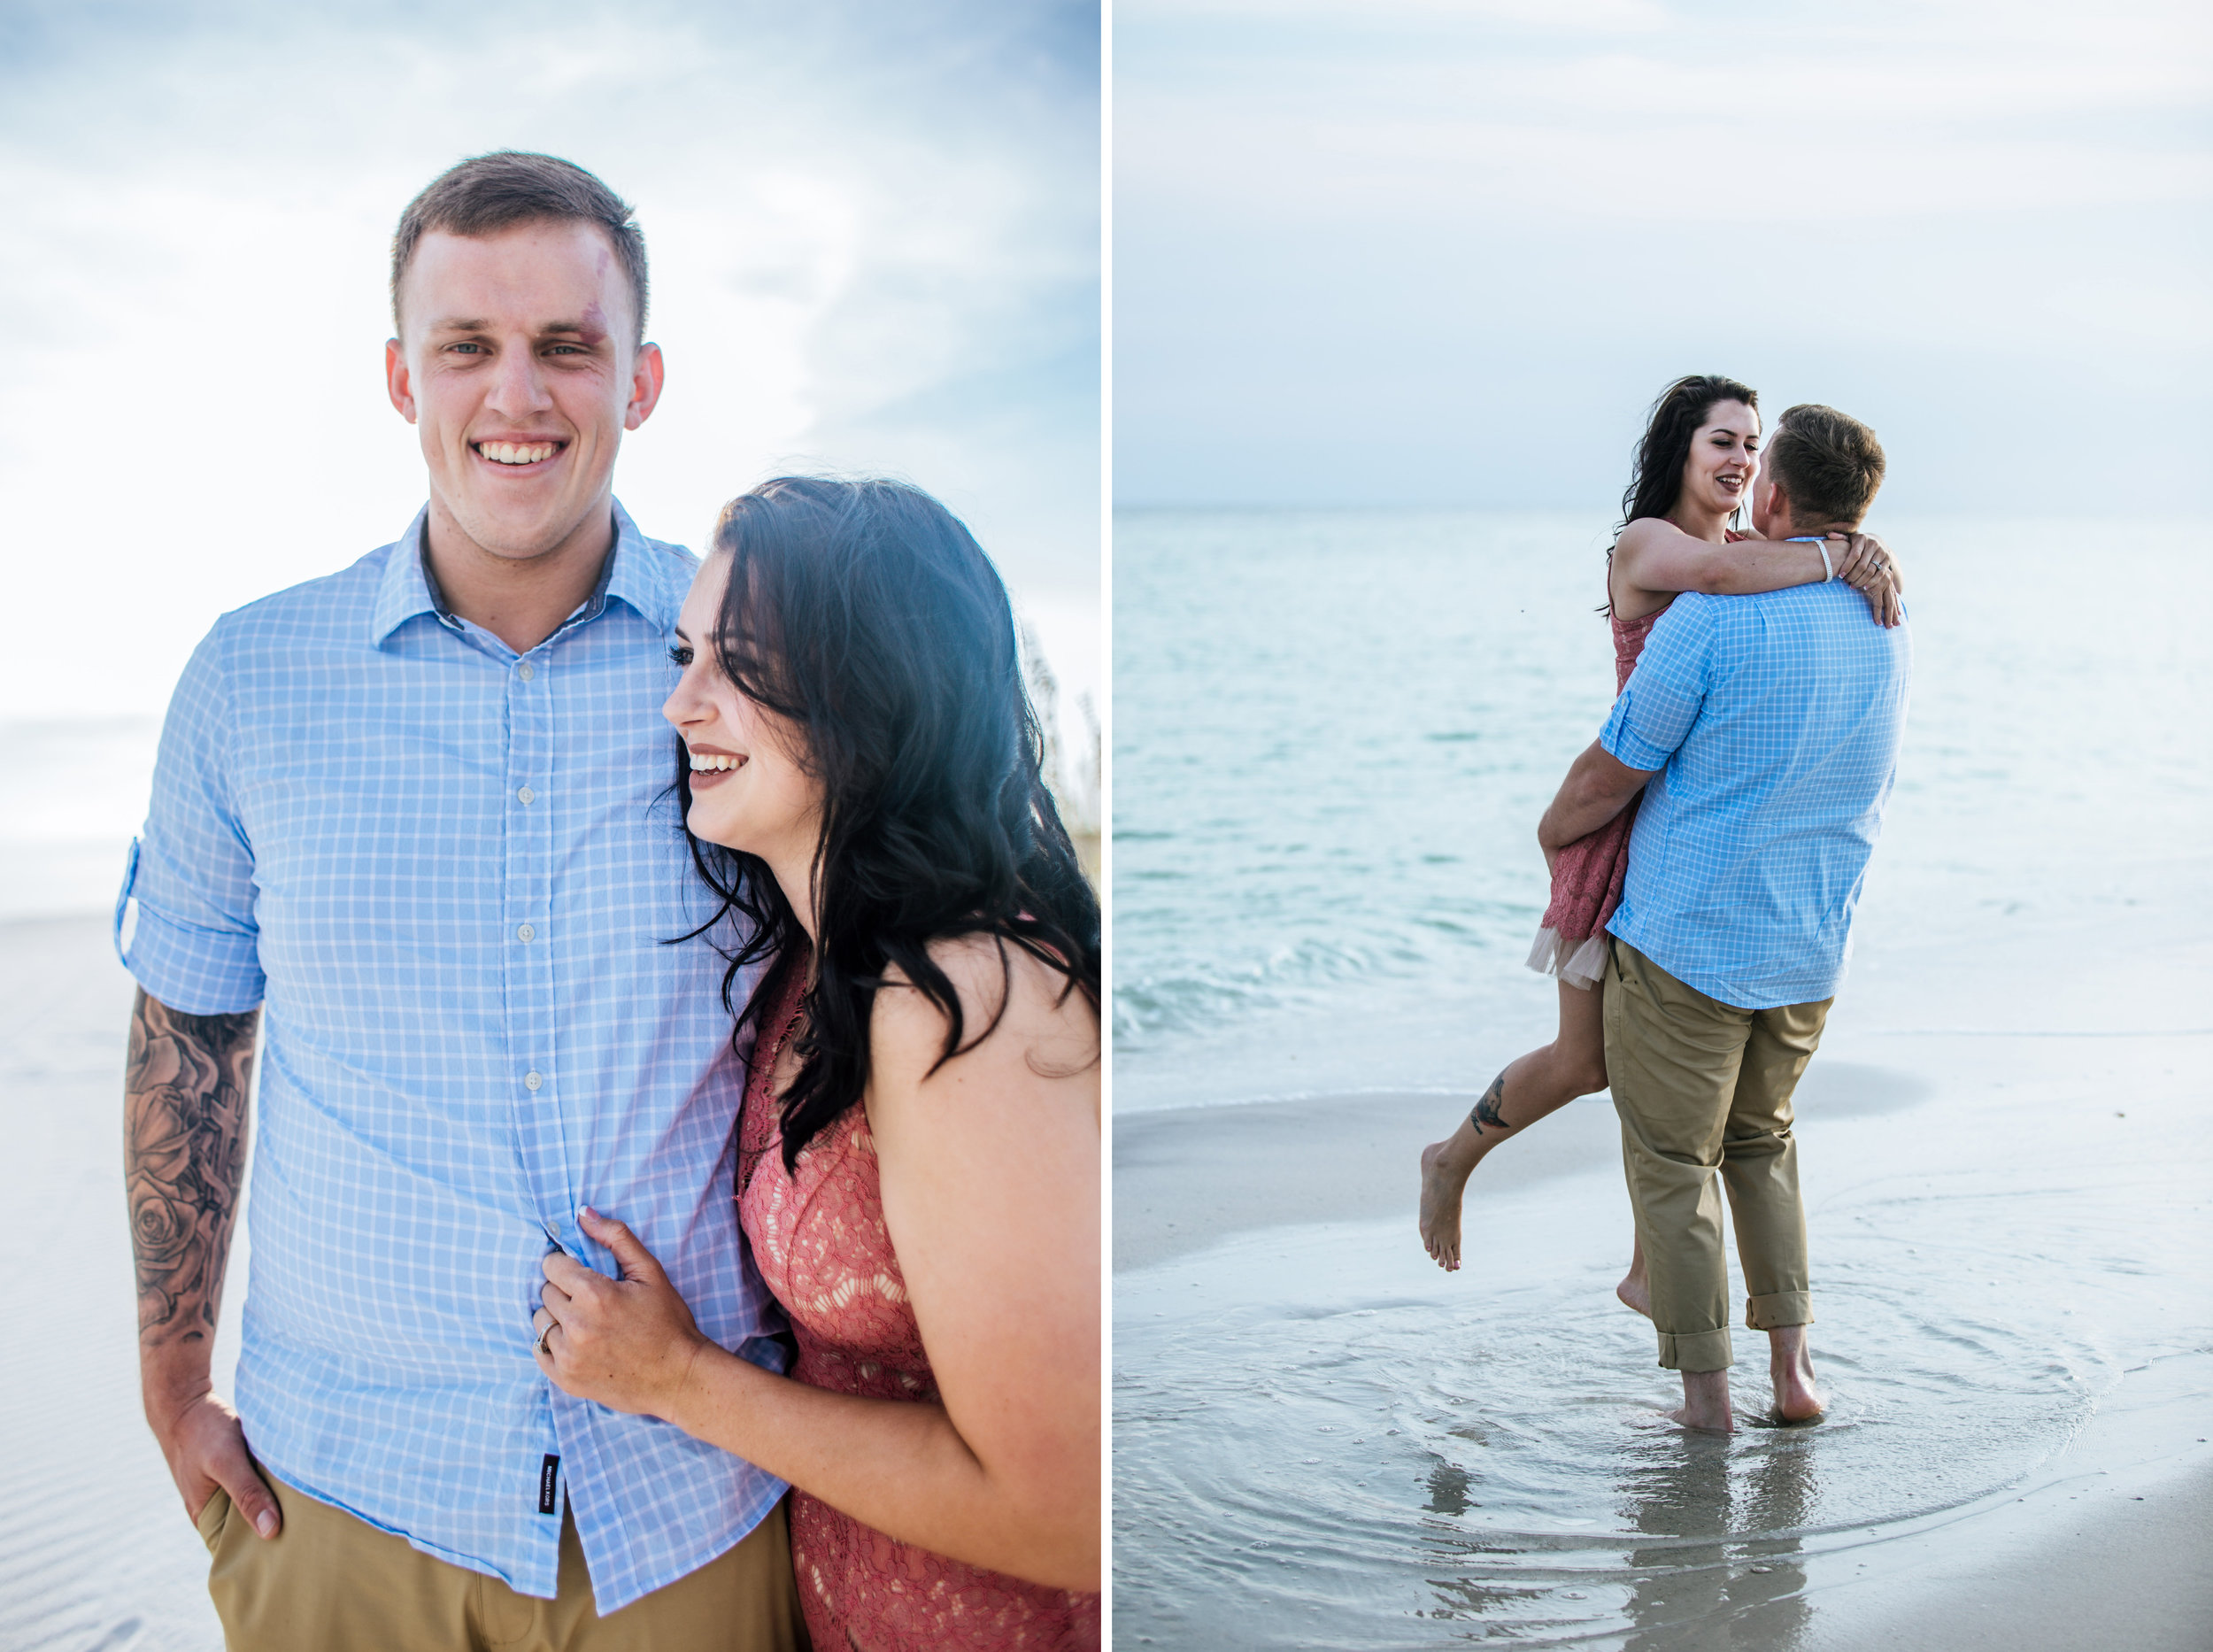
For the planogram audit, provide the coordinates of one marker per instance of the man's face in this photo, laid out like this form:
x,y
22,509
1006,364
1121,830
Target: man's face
x,y
1769,522
516,367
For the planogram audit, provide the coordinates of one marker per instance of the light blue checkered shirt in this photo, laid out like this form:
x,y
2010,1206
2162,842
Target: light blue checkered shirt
x,y
447,873
1774,721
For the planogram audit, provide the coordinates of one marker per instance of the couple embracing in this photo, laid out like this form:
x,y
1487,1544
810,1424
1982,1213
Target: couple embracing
x,y
1706,854
648,1126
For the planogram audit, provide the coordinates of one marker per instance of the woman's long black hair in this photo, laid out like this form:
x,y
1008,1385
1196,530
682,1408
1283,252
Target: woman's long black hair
x,y
1657,481
866,614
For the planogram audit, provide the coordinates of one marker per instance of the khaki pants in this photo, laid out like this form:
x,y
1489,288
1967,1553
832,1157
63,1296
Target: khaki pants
x,y
328,1582
1702,1086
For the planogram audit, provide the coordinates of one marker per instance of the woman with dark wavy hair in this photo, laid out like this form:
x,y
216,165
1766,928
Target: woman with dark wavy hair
x,y
1694,474
919,1145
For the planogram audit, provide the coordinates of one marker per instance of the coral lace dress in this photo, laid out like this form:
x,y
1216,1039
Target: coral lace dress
x,y
1586,876
819,1240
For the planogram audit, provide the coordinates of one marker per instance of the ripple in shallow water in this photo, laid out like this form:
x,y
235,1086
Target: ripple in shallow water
x,y
1314,1464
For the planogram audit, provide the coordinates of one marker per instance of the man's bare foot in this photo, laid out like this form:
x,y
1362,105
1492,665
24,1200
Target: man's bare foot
x,y
1635,1290
1705,1403
1445,1167
1791,1367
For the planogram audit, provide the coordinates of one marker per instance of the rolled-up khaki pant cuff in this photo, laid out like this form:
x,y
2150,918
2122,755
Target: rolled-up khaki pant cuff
x,y
1696,1351
1780,1308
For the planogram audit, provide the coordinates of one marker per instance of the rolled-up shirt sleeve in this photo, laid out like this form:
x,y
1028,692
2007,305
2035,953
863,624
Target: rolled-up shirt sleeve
x,y
186,905
1654,713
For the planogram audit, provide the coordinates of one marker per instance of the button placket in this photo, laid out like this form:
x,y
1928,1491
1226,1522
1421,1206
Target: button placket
x,y
527,967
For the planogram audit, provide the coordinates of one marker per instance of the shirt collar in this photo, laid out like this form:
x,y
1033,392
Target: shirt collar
x,y
408,588
637,576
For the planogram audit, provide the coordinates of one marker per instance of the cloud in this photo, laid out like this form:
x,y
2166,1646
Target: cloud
x,y
858,218
1553,16
1441,254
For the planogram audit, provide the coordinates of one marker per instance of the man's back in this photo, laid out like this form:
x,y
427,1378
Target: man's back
x,y
1775,721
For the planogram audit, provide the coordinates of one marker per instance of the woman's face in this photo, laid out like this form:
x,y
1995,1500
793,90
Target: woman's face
x,y
750,790
1724,458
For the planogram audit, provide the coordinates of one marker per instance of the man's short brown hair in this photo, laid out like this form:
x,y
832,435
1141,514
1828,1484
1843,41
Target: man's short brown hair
x,y
1830,464
489,193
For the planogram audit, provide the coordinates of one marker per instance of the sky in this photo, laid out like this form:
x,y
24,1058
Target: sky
x,y
1445,253
874,245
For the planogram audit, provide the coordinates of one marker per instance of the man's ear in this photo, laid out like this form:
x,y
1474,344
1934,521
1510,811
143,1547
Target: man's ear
x,y
396,381
646,385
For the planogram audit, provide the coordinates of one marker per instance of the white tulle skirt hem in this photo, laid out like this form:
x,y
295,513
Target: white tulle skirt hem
x,y
1580,964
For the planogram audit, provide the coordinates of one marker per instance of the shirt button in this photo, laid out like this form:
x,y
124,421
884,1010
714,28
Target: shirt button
x,y
526,933
531,1081
526,795
528,670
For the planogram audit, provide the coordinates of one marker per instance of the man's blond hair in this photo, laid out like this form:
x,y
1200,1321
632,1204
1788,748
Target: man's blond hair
x,y
489,193
1828,464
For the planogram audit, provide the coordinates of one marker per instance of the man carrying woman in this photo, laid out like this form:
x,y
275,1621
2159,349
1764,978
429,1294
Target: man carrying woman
x,y
1777,732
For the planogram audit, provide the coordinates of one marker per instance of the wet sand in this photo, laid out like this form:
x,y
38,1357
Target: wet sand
x,y
1321,1440
1340,1158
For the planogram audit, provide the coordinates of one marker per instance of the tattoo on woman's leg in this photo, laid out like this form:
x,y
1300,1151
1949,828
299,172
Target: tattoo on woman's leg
x,y
1487,1109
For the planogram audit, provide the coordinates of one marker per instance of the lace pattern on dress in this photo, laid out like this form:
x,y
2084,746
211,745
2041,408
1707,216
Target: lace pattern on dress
x,y
819,1239
1588,874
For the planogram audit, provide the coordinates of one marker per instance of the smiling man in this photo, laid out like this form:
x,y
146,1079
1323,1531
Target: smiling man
x,y
410,823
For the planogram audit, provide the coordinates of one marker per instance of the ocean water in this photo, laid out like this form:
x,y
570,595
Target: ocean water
x,y
1321,1440
1334,731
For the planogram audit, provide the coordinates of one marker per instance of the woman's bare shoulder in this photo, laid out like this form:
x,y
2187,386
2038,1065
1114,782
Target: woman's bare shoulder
x,y
1632,596
1643,530
1026,1003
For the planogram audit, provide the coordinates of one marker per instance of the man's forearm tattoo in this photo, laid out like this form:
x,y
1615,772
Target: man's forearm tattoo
x,y
1487,1109
184,1159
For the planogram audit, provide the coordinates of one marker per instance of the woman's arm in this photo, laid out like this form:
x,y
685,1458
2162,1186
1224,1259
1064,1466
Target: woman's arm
x,y
1654,559
991,1179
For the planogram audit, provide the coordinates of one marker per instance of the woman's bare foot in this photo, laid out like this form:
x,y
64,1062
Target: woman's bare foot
x,y
1543,1081
1705,1403
1791,1367
1635,1290
1445,1167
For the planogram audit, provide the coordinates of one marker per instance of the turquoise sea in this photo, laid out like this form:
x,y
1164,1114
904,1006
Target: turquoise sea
x,y
1334,732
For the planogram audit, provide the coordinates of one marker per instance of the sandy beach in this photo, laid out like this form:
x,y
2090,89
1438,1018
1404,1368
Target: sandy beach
x,y
2011,1238
94,1548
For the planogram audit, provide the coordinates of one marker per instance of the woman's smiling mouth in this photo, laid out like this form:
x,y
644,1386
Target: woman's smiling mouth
x,y
712,767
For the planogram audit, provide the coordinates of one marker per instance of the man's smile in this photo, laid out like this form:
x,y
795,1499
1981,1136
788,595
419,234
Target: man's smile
x,y
519,454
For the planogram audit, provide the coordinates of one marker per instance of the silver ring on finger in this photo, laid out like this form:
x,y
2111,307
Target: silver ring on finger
x,y
550,1323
